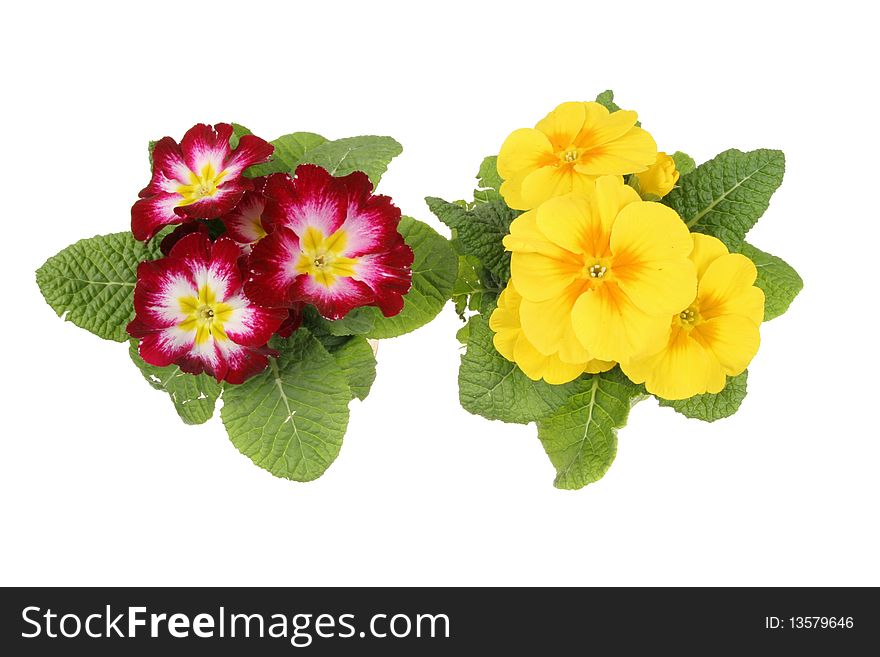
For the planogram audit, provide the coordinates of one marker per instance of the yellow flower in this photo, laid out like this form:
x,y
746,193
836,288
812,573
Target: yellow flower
x,y
716,336
659,179
600,273
568,149
514,346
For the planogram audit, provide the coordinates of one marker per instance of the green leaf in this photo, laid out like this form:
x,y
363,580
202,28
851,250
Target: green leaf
x,y
193,395
581,436
725,196
780,282
358,321
238,131
291,418
356,359
474,288
606,99
491,386
370,154
488,181
684,163
710,407
479,231
434,269
91,283
289,153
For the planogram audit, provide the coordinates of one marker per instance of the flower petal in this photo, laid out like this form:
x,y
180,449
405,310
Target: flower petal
x,y
388,274
169,168
244,223
525,148
732,339
149,215
371,222
548,325
539,277
611,327
204,145
650,246
563,124
707,249
536,365
633,152
727,287
566,221
272,269
224,199
333,301
313,199
601,129
250,150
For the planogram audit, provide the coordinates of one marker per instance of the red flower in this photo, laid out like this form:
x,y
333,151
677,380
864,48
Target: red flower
x,y
191,311
331,243
200,178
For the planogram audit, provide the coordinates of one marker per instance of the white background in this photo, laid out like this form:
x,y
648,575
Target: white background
x,y
100,483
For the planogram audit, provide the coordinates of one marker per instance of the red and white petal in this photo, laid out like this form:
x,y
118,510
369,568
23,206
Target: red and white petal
x,y
167,346
160,286
150,215
388,275
244,223
204,145
238,363
370,224
250,150
212,265
224,199
250,325
272,270
335,301
169,168
314,198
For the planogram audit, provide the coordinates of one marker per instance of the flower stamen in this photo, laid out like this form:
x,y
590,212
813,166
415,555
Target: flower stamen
x,y
570,156
597,271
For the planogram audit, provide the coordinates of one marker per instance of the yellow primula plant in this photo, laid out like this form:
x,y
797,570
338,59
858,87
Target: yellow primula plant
x,y
596,271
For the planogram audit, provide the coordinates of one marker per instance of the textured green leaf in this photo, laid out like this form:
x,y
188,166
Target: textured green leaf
x,y
193,395
780,282
434,269
479,231
488,181
370,154
291,419
491,386
725,196
581,436
359,321
709,407
356,359
289,153
684,163
91,283
606,98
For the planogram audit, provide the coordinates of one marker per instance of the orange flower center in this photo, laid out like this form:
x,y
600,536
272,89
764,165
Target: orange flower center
x,y
689,318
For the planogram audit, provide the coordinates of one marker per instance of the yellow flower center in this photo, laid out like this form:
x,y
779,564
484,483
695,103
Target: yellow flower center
x,y
322,257
201,185
570,156
596,270
689,318
205,315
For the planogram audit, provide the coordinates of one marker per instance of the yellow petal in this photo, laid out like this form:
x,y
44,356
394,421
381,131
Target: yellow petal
x,y
504,321
511,190
707,249
545,183
610,327
563,124
727,288
547,325
539,277
732,339
631,153
567,221
525,148
526,237
681,370
536,365
595,366
608,128
650,246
